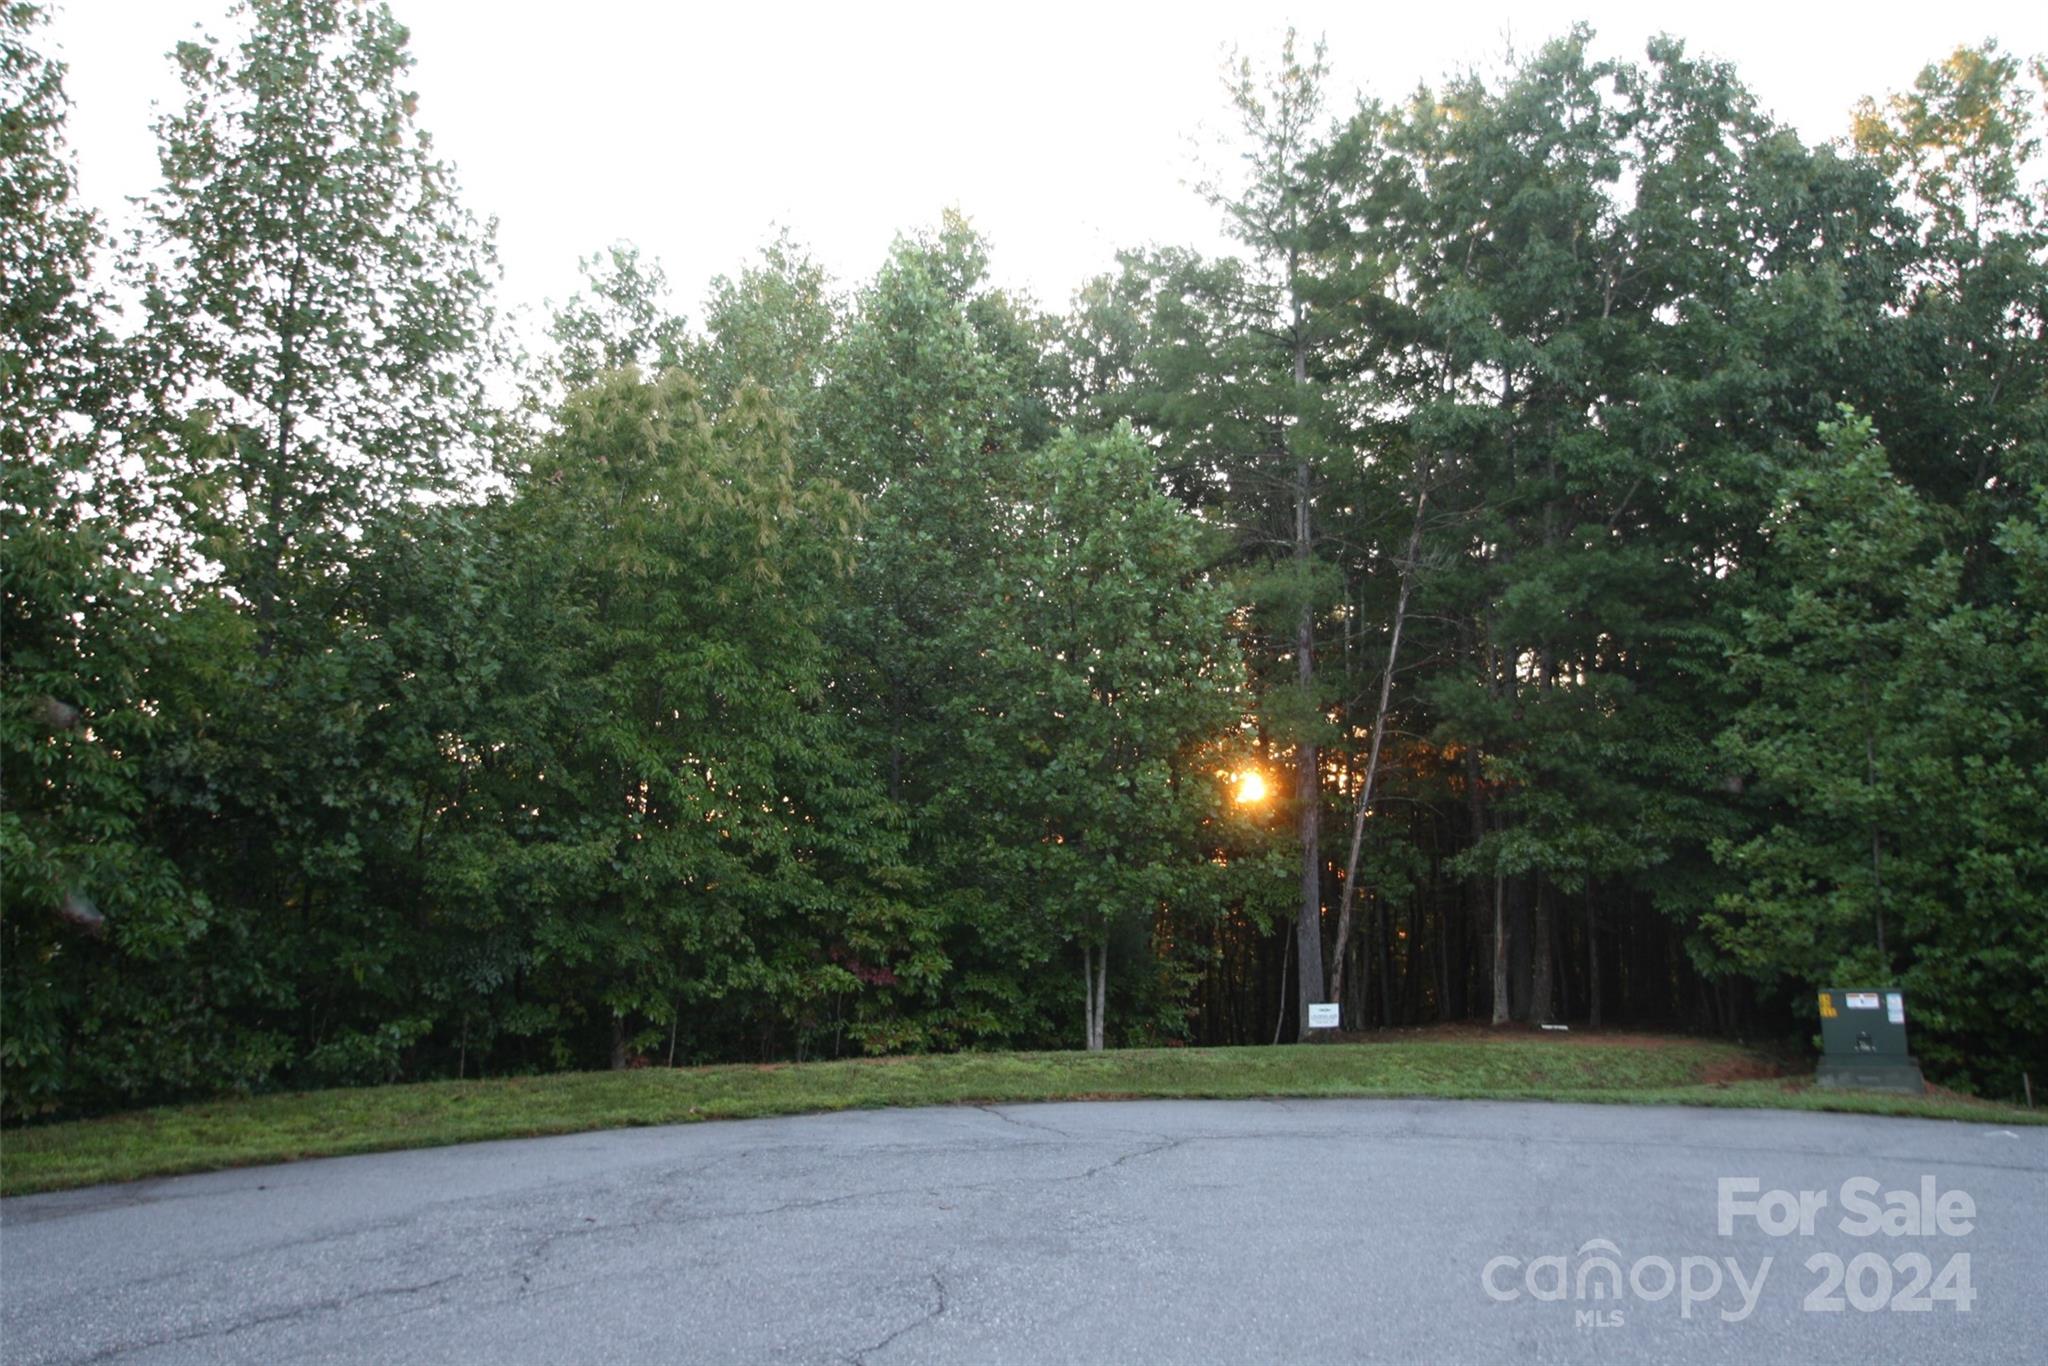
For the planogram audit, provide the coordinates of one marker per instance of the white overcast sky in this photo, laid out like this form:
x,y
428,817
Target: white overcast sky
x,y
1065,131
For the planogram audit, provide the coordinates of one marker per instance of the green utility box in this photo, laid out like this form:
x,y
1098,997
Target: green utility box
x,y
1863,1042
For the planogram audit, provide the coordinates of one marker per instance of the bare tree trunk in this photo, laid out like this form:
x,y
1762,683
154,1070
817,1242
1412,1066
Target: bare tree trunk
x,y
284,403
1876,846
1521,947
1308,927
1542,984
1365,974
1355,1008
1592,959
1543,973
1088,994
1475,883
1443,960
1502,1005
1308,930
1280,1006
618,1043
1381,922
1088,997
1500,949
1101,997
1414,973
1372,762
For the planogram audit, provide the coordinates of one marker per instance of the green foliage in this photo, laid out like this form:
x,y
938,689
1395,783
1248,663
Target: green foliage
x,y
771,326
934,393
53,341
315,296
663,802
829,677
1899,732
623,320
94,918
1088,731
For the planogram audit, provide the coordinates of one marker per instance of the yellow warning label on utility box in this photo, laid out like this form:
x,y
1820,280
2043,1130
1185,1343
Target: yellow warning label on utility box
x,y
1827,1006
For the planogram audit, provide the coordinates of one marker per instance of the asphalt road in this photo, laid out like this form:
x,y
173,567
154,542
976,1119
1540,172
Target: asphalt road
x,y
1299,1231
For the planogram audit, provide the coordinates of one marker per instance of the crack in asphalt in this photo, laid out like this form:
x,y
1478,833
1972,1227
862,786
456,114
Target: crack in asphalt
x,y
657,1211
266,1251
526,1262
932,1315
1023,1123
446,1269
330,1304
1163,1144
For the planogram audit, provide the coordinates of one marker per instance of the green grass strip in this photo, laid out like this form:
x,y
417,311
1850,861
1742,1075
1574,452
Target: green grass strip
x,y
285,1127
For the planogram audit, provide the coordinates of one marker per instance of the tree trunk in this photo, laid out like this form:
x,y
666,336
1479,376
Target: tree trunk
x,y
1542,973
1475,883
1308,927
1372,763
1592,960
1521,953
1356,1007
1876,838
1500,950
1099,1042
1308,930
1088,1006
1280,1006
1443,960
284,402
1414,970
618,1043
1381,933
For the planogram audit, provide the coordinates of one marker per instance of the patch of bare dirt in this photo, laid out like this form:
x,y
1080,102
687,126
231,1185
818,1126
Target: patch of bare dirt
x,y
1740,1069
1471,1031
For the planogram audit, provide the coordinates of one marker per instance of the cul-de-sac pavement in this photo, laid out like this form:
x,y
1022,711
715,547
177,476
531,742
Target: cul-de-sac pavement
x,y
1297,1231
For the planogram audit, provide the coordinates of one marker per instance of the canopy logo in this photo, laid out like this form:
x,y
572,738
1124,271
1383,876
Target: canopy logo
x,y
1599,1285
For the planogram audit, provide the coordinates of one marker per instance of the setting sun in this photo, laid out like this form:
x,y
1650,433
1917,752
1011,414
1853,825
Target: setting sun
x,y
1251,787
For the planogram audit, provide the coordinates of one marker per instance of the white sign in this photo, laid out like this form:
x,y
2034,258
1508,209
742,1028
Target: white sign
x,y
1895,1007
1862,1000
1323,1015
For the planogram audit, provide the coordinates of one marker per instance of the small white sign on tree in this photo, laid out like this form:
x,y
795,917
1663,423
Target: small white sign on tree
x,y
1323,1015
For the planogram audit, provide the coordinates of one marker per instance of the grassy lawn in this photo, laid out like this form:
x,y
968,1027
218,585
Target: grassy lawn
x,y
276,1128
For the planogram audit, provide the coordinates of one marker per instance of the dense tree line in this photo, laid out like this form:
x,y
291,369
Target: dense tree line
x,y
1611,531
